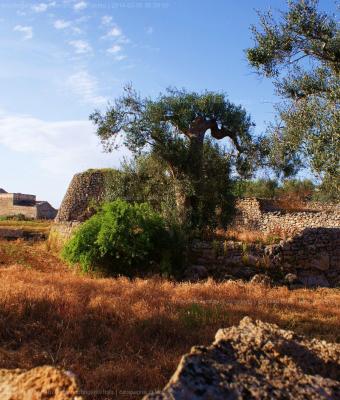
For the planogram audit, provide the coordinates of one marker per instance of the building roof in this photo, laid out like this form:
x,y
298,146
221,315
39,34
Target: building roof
x,y
2,191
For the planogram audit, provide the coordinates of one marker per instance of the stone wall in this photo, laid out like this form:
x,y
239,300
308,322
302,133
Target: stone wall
x,y
85,191
264,215
60,232
313,256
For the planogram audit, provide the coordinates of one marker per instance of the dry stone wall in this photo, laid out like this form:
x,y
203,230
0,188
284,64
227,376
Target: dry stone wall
x,y
312,256
263,215
85,191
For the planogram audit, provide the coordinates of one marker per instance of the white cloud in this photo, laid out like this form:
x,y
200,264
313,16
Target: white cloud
x,y
114,49
121,57
42,7
123,40
26,30
85,86
61,24
80,6
59,149
80,46
106,20
149,30
114,32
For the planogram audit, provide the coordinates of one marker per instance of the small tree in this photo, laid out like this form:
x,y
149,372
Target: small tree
x,y
174,127
307,132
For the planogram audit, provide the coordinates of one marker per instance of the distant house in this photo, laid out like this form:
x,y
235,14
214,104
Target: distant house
x,y
25,204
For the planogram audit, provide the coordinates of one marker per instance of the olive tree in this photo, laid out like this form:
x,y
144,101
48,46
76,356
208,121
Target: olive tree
x,y
174,127
301,52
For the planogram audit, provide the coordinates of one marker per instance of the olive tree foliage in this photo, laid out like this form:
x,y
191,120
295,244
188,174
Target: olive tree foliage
x,y
301,52
147,179
174,128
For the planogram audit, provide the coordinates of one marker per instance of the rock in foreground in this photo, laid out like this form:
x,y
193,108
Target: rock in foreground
x,y
39,383
257,360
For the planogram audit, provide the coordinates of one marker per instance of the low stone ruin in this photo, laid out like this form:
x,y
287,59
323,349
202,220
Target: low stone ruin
x,y
309,259
267,216
256,360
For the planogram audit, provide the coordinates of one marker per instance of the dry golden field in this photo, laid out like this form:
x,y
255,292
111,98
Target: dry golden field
x,y
124,338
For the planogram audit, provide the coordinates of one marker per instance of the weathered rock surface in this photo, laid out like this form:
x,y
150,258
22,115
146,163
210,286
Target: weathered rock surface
x,y
261,279
257,360
39,383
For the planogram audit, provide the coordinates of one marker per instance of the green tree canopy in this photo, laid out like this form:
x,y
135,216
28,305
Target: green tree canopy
x,y
147,179
301,51
174,128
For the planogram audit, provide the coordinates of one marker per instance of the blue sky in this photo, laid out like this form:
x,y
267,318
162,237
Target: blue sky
x,y
62,59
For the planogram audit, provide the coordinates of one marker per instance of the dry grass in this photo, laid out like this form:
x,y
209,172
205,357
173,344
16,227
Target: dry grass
x,y
252,236
42,226
291,204
127,337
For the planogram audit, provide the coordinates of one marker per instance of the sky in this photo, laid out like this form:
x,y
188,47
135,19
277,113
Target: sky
x,y
61,60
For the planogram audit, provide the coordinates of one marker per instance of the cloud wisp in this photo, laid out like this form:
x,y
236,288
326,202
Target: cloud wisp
x,y
59,146
80,46
27,31
85,86
61,24
81,5
115,34
43,7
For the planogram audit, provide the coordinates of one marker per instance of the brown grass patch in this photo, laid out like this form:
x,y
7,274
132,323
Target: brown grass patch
x,y
29,255
252,236
126,337
42,226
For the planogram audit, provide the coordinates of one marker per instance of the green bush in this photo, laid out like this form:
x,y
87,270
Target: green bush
x,y
16,217
126,239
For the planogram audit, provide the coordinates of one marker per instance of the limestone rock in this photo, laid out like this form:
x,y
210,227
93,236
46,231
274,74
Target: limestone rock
x,y
293,281
257,360
262,279
38,384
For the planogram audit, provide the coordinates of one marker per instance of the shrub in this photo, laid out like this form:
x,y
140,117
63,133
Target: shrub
x,y
126,239
16,217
